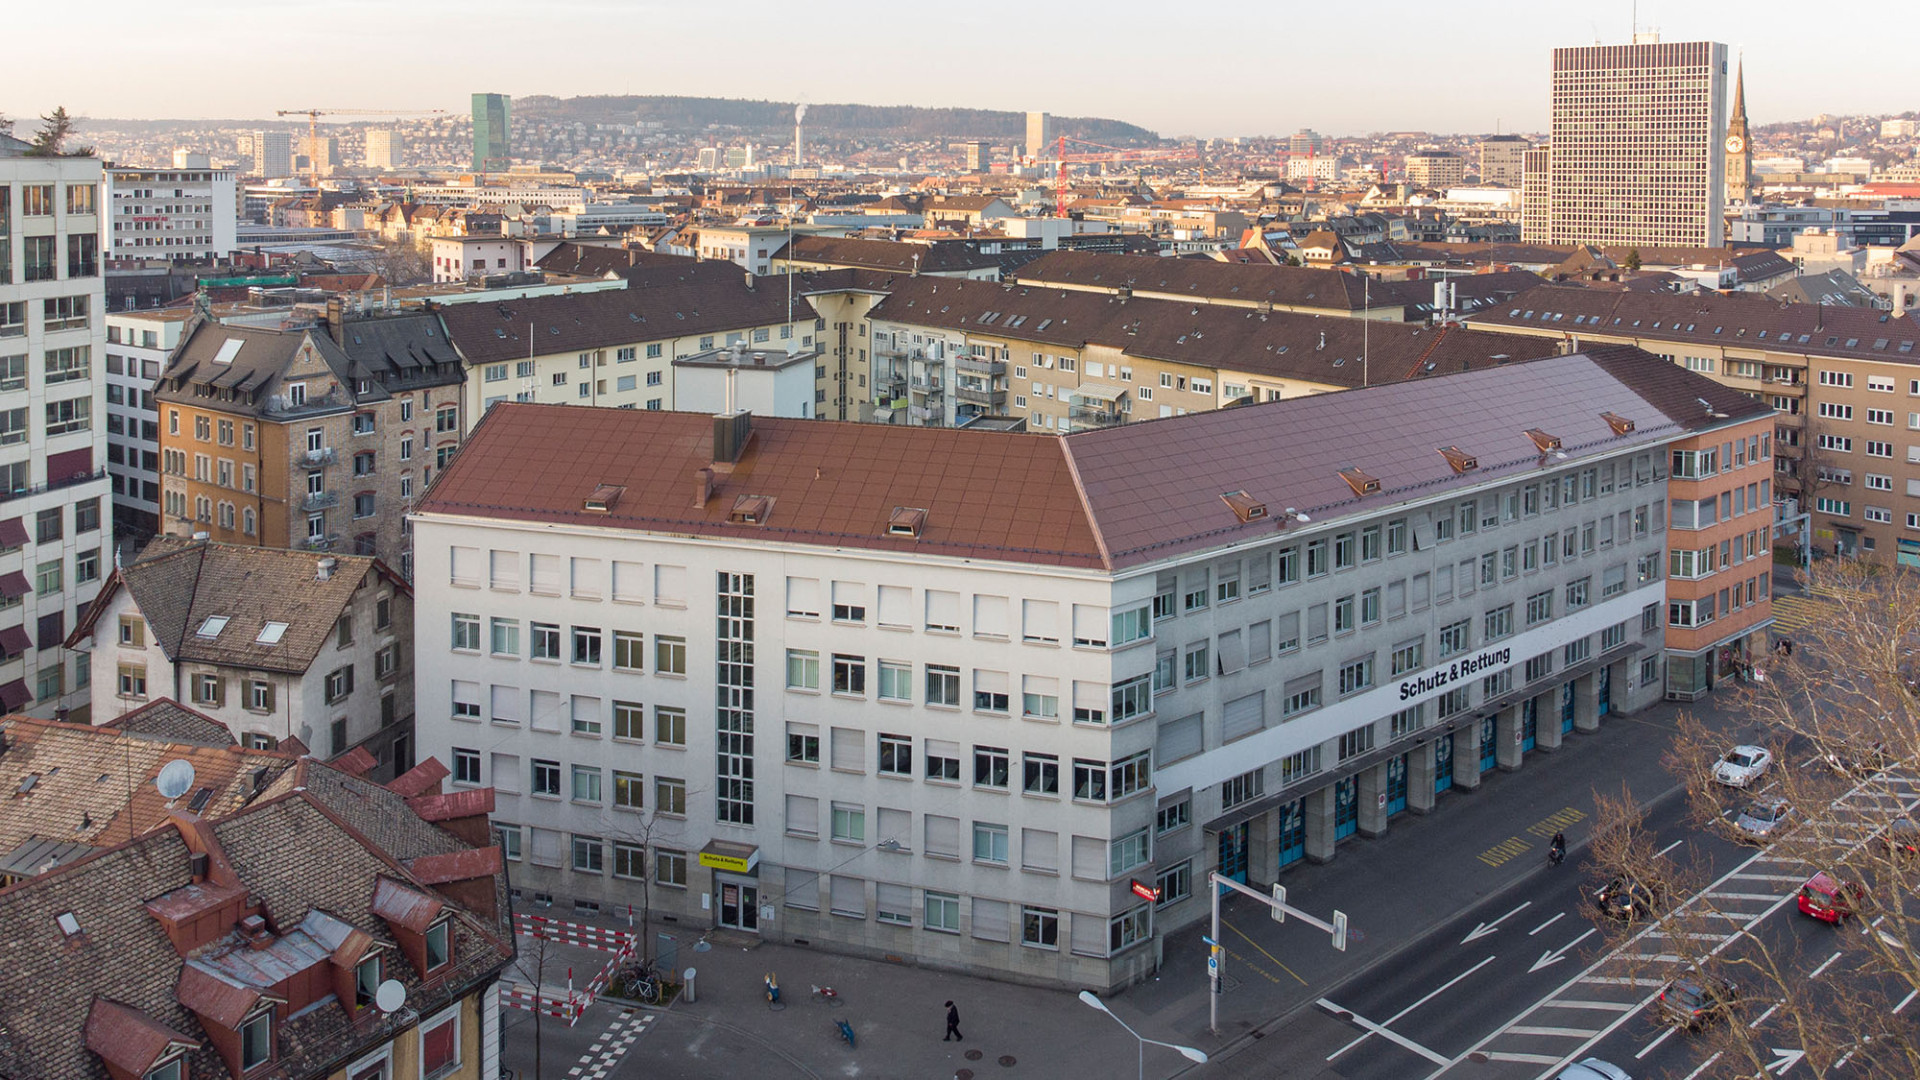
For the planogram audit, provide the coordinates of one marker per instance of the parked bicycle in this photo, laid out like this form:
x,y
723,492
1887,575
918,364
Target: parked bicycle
x,y
642,981
827,995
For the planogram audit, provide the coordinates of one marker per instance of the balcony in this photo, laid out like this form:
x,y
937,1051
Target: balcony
x,y
320,500
980,396
322,456
984,367
1091,416
321,543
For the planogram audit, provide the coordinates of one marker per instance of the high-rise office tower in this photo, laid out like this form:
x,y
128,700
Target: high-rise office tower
x,y
271,153
979,156
492,132
383,149
1503,159
1638,134
1039,136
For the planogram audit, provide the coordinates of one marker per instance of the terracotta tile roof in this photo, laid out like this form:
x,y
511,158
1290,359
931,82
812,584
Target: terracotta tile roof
x,y
358,761
128,1038
1106,498
95,785
593,260
178,584
988,495
404,907
167,719
1292,286
886,255
422,778
456,866
1732,320
471,802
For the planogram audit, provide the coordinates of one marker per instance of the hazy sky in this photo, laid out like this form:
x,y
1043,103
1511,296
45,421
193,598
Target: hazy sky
x,y
1196,68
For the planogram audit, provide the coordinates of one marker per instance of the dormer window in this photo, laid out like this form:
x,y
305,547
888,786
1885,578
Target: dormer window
x,y
439,945
256,1040
170,1070
366,981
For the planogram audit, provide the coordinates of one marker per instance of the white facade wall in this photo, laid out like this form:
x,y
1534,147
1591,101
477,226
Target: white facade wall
x,y
138,345
178,214
776,388
456,258
1203,689
63,572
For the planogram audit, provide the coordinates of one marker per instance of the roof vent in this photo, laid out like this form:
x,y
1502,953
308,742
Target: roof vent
x,y
1360,482
1245,507
1546,443
603,499
323,569
1461,461
1620,424
69,925
751,510
906,521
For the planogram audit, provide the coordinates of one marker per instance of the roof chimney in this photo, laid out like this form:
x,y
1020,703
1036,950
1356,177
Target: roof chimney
x,y
324,569
731,433
337,320
749,281
702,487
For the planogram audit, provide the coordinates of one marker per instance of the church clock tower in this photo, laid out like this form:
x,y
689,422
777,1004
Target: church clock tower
x,y
1739,145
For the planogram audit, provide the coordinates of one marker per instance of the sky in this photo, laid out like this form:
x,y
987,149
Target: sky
x,y
1201,68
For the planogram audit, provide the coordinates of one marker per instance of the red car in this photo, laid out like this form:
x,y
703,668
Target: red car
x,y
1829,899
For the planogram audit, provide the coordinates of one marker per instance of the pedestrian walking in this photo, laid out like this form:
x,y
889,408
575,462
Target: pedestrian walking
x,y
953,1024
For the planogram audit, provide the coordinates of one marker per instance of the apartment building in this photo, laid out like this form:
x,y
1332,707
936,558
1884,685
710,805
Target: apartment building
x,y
317,438
252,943
1227,660
266,154
56,521
274,644
138,344
1439,169
946,351
184,215
1841,380
1720,552
615,348
1306,290
1638,134
1503,159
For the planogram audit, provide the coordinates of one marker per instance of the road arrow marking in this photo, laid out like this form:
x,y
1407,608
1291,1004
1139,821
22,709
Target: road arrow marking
x,y
1784,1060
1486,928
1552,957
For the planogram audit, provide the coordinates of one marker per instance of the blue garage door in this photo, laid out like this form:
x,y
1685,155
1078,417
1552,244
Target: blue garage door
x,y
1293,832
1346,807
1442,764
1396,784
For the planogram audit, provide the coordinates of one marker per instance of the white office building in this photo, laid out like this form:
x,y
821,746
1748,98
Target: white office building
x,y
177,214
55,519
138,344
773,665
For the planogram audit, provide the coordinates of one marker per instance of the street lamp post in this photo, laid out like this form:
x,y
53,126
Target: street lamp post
x,y
1196,1056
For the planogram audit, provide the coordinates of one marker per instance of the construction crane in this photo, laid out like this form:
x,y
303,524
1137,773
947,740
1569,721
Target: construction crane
x,y
1111,154
313,129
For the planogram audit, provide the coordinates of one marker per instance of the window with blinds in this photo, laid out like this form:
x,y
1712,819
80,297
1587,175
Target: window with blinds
x,y
1040,621
1179,739
1089,858
1040,850
1244,716
943,835
849,896
990,618
896,607
588,578
849,749
803,815
943,611
629,582
803,598
543,574
991,920
803,889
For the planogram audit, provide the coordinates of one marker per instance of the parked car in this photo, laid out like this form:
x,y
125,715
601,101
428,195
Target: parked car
x,y
1763,818
1829,898
1695,999
1902,837
1593,1069
1742,765
1628,899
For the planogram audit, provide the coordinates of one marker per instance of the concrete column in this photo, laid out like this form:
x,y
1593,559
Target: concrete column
x,y
1506,736
1586,703
1263,852
1420,778
1466,755
1318,806
1628,696
1373,807
1549,736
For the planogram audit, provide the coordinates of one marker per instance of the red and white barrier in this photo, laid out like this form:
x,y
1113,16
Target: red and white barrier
x,y
573,1003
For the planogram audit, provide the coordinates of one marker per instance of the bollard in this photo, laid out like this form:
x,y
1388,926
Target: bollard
x,y
686,991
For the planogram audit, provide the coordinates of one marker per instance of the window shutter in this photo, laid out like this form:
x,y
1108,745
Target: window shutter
x,y
1179,739
1244,716
1088,695
893,899
943,610
803,814
1090,626
1423,533
990,920
849,749
896,605
1040,850
670,584
546,847
1614,578
1232,653
990,616
1288,630
849,594
464,565
990,682
545,712
1259,642
219,690
544,576
503,569
896,825
1421,587
586,710
803,597
506,699
629,582
1316,622
943,835
849,896
1089,858
803,889
1040,620
1396,599
271,690
1089,935
588,582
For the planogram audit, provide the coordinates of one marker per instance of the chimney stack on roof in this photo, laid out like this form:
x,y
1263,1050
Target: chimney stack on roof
x,y
337,320
702,487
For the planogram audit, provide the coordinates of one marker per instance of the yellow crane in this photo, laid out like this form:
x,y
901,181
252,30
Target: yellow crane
x,y
313,129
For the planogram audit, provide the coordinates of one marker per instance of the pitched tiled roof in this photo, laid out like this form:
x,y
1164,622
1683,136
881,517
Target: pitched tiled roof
x,y
242,359
403,350
1735,320
594,260
1291,286
73,783
170,720
1105,498
179,584
886,254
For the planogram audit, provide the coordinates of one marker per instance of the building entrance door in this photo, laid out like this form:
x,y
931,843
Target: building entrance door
x,y
1396,784
1442,764
1603,686
739,906
1346,807
1489,745
1233,853
1566,707
1529,724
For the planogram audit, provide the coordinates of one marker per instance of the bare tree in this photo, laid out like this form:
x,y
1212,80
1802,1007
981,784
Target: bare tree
x,y
530,961
399,262
1841,717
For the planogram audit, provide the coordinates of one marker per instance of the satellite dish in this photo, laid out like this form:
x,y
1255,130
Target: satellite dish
x,y
175,778
390,996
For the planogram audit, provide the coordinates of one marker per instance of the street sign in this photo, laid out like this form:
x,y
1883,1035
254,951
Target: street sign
x,y
1340,930
1145,892
1213,967
1279,907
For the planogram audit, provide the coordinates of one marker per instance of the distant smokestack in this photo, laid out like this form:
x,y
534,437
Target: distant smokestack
x,y
799,135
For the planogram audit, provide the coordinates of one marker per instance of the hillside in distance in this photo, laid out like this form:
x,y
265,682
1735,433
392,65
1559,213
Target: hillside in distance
x,y
906,122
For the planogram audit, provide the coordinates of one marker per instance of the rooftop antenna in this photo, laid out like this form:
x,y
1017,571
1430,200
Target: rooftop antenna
x,y
175,778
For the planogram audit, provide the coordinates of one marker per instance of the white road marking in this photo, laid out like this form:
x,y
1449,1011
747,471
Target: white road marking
x,y
1906,1000
1783,1060
1403,1012
1754,1025
1824,965
1618,980
1768,897
1546,924
1554,956
1582,1003
1669,847
1391,1036
1525,1059
1658,1039
1795,879
1486,928
1704,1066
1557,1032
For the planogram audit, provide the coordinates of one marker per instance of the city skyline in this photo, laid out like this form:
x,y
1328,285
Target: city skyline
x,y
1349,91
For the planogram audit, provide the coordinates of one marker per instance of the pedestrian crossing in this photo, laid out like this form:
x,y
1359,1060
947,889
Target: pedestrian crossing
x,y
1569,1021
1792,614
607,1051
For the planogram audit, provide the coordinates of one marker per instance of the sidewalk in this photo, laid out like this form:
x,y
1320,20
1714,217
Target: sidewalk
x,y
1393,888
